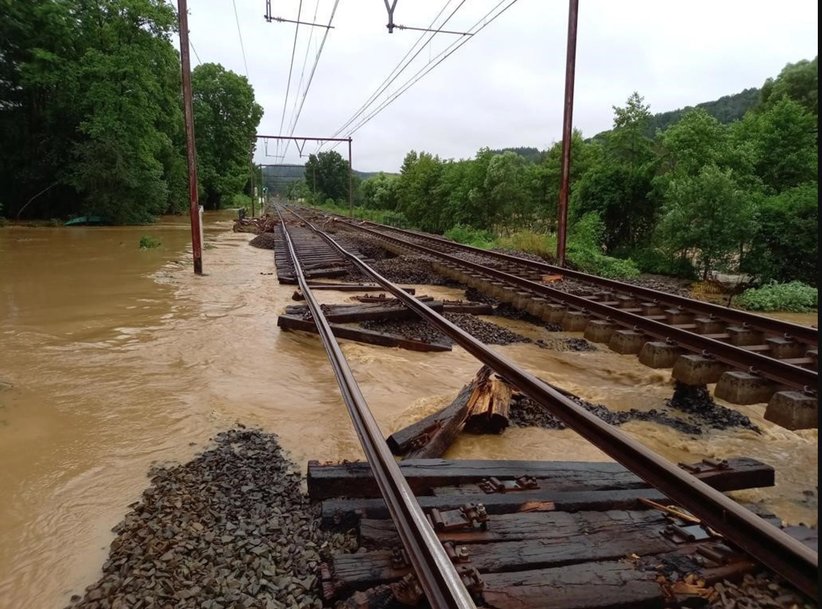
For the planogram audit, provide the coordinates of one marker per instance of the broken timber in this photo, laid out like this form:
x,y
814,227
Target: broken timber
x,y
480,407
289,322
345,287
591,541
349,313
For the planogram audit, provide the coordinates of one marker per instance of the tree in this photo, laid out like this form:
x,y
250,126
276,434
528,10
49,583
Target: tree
x,y
797,81
420,193
618,187
124,89
785,243
545,177
783,141
90,108
380,191
225,125
326,174
507,194
707,217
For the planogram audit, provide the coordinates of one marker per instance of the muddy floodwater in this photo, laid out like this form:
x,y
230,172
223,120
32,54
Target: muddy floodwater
x,y
113,358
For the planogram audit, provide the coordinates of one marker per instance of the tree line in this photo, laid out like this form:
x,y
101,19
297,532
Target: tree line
x,y
91,114
699,196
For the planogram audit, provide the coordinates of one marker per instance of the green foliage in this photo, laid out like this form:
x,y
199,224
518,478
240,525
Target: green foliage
x,y
147,242
659,262
470,236
91,110
326,175
618,186
794,296
391,218
786,239
726,109
797,81
225,120
380,191
708,218
541,244
783,140
585,250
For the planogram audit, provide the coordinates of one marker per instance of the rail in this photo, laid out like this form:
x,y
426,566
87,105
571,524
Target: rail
x,y
436,573
776,370
802,333
763,541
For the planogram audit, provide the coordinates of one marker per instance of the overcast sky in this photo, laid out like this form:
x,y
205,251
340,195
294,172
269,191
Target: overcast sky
x,y
504,86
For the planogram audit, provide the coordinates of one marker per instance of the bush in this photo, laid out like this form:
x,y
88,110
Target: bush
x,y
794,296
469,235
585,251
241,201
653,260
541,244
147,243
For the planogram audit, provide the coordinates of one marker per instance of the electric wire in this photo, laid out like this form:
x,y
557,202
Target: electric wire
x,y
191,44
311,75
436,61
291,67
305,62
398,69
240,34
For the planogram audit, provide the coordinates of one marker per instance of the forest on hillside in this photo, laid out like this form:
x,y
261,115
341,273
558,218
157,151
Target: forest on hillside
x,y
91,114
699,196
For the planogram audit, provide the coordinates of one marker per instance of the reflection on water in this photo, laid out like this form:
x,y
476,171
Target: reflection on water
x,y
114,357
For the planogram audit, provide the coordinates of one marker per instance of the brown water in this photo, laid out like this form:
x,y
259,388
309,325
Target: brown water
x,y
113,358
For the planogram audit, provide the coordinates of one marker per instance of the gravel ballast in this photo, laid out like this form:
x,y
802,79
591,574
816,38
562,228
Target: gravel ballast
x,y
229,529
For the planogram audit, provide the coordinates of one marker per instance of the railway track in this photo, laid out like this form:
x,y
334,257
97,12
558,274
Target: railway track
x,y
443,584
751,358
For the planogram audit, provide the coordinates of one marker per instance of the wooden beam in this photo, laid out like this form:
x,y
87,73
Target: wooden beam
x,y
354,479
287,322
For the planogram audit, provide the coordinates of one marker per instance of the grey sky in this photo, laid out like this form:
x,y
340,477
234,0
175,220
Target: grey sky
x,y
504,87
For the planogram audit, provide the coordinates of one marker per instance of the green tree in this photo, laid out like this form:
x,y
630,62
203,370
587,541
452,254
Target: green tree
x,y
380,191
785,242
124,89
89,108
783,140
618,188
797,81
420,193
326,174
707,217
545,177
507,195
225,124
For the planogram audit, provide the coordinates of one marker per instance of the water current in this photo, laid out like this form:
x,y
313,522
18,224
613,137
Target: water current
x,y
113,358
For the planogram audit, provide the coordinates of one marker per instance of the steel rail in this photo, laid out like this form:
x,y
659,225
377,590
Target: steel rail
x,y
776,370
802,333
437,575
759,538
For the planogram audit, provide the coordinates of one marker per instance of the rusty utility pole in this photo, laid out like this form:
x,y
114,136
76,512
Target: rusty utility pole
x,y
567,121
191,153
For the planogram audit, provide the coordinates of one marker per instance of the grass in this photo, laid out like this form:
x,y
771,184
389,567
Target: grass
x,y
147,242
795,296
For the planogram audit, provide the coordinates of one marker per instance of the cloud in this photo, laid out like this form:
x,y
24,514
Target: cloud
x,y
504,87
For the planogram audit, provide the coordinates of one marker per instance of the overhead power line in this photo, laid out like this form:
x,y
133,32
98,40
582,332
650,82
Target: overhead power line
x,y
400,67
240,34
433,64
311,75
191,44
291,67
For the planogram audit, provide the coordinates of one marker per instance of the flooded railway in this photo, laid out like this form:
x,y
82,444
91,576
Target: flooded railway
x,y
114,358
